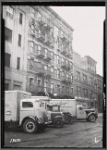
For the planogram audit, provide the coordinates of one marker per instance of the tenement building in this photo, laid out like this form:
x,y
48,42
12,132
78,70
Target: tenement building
x,y
38,50
100,92
15,48
85,83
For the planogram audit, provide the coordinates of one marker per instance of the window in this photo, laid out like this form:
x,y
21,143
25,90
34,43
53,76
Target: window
x,y
71,65
19,40
46,52
6,86
17,87
90,81
63,74
90,94
36,48
46,67
85,91
40,65
58,88
45,85
58,60
31,81
52,71
67,90
84,78
63,88
7,60
8,34
10,12
52,86
31,46
39,82
39,48
58,74
52,56
31,64
71,90
78,75
66,76
20,18
27,104
78,91
18,63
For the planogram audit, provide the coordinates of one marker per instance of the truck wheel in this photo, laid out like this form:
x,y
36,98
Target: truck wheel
x,y
58,123
30,126
68,119
92,118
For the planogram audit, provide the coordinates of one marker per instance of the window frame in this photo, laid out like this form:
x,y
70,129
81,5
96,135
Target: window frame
x,y
19,40
7,64
18,63
8,37
20,18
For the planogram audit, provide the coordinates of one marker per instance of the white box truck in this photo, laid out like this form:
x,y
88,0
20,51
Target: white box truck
x,y
77,111
22,110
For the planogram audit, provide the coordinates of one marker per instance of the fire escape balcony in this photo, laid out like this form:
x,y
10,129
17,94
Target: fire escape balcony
x,y
41,71
68,54
31,21
32,33
68,67
48,73
41,37
68,81
64,80
47,40
47,57
63,51
63,65
63,38
40,89
47,26
41,22
41,53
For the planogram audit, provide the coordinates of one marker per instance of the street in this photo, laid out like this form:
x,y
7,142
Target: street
x,y
79,134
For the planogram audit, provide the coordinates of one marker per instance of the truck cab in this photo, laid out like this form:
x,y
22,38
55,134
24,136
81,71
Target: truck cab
x,y
22,110
32,115
88,114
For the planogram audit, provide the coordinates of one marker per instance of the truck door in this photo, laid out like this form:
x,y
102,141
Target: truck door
x,y
26,109
81,114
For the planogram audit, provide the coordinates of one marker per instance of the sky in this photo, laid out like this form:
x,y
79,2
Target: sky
x,y
87,23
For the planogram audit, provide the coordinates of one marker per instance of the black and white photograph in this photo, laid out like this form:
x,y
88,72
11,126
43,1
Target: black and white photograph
x,y
53,75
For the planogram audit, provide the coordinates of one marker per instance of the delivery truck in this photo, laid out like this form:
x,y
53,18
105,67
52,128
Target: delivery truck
x,y
22,110
77,111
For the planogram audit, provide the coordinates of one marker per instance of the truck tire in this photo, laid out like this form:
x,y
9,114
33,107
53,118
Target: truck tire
x,y
92,118
68,119
30,126
58,123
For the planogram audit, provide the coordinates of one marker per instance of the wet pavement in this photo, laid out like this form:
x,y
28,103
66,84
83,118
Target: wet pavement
x,y
79,134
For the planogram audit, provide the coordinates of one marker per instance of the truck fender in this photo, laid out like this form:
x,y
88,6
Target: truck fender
x,y
91,114
56,117
29,117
